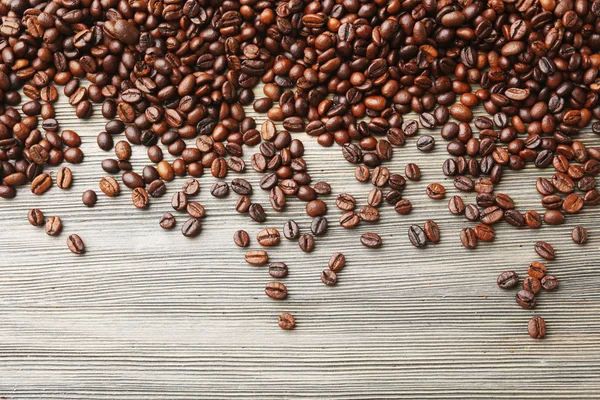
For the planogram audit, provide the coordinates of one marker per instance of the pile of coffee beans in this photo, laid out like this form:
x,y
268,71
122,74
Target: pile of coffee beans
x,y
175,76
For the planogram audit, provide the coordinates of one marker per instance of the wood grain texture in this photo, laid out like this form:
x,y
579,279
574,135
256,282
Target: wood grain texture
x,y
149,314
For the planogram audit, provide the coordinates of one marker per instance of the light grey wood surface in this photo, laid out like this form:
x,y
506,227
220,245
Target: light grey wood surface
x,y
150,314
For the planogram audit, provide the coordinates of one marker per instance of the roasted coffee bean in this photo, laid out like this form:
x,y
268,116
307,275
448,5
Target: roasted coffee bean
x,y
241,238
139,197
41,184
328,277
403,207
412,172
319,226
257,212
195,209
191,227
278,270
484,232
35,217
468,238
549,282
241,186
579,235
536,327
536,270
167,221
337,261
375,197
219,189
109,186
464,183
532,284
472,212
370,240
456,205
316,208
179,201
345,202
514,218
432,231
291,231
157,188
417,236
53,226
369,214
306,243
508,279
89,198
533,219
75,244
286,321
544,250
256,257
276,290
268,237
426,143
435,191
525,299
191,187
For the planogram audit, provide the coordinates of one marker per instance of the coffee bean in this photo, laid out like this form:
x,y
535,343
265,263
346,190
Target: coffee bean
x,y
191,187
370,240
532,284
426,143
53,226
491,215
268,237
337,261
316,208
403,207
139,197
286,321
75,244
278,270
109,186
256,257
345,202
485,233
464,183
157,188
549,282
167,221
525,299
319,226
322,188
417,236
306,243
579,235
291,231
41,184
536,327
328,277
472,212
349,220
544,250
508,279
257,213
35,217
219,189
432,231
412,172
436,191
241,186
468,238
536,270
276,290
375,197
369,214
533,219
191,227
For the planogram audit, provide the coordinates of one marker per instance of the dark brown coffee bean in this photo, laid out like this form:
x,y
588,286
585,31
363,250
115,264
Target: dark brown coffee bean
x,y
241,238
219,189
544,250
484,232
306,243
464,183
533,219
412,172
328,277
468,238
417,236
549,282
508,279
403,207
257,212
35,217
536,327
75,244
456,205
109,186
191,227
41,184
525,299
139,197
370,240
345,202
349,220
291,231
64,178
579,235
276,290
432,231
316,208
471,212
336,262
167,221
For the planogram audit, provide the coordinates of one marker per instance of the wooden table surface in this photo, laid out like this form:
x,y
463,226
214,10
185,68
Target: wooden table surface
x,y
150,314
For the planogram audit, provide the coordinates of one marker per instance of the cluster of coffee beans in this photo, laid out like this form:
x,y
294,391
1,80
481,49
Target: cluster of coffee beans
x,y
53,227
171,73
536,280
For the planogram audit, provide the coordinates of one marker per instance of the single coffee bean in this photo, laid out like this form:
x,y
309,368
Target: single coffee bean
x,y
491,215
536,270
268,237
291,230
278,270
64,178
579,235
89,198
533,219
306,243
432,231
544,250
109,186
256,257
257,213
532,284
472,212
157,188
435,191
456,205
525,299
536,327
322,188
549,282
328,277
349,220
167,221
179,201
35,217
316,208
370,239
337,261
219,189
41,184
53,226
241,186
464,183
375,197
276,290
514,218
484,232
319,226
403,207
241,238
191,187
417,236
412,172
507,280
286,321
191,227
345,202
468,238
139,197
195,209
75,244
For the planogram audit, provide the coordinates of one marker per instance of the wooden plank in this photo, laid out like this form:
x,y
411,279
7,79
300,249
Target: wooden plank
x,y
149,314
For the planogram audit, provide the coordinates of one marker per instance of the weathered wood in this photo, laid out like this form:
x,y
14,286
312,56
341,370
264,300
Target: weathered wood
x,y
149,314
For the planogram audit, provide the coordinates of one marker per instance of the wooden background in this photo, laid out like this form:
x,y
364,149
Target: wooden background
x,y
150,314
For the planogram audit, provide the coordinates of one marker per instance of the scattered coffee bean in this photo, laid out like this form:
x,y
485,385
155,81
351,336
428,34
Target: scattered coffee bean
x,y
75,244
508,279
276,290
337,261
549,282
191,227
53,226
306,243
536,327
291,231
167,221
417,236
278,270
256,257
35,217
286,321
89,198
525,299
329,277
544,250
579,235
370,239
